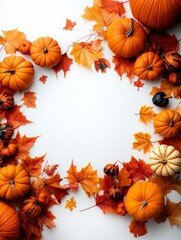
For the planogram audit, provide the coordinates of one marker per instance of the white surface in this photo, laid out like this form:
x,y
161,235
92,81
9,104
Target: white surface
x,y
87,117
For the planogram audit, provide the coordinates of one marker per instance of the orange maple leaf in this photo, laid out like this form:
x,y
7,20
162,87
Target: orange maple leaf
x,y
142,142
43,79
13,38
16,118
29,99
46,218
111,6
70,204
173,141
106,204
69,25
174,212
64,64
138,83
137,228
123,65
85,54
87,177
50,169
146,114
124,178
101,64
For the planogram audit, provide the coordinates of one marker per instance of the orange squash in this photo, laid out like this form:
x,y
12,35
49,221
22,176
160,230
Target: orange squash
x,y
31,207
9,222
16,73
149,66
126,37
144,201
167,123
14,182
45,52
156,14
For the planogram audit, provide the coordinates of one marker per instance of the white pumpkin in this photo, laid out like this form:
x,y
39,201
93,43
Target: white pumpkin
x,y
165,160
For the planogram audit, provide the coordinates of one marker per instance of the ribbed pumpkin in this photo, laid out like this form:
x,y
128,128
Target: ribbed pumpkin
x,y
126,37
156,14
172,61
6,101
45,52
167,123
16,73
9,222
14,182
31,207
165,160
144,201
175,78
149,66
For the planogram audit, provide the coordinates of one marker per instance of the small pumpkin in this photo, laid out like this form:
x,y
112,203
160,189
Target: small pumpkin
x,y
115,193
6,131
172,61
9,150
45,52
126,37
16,73
165,160
9,222
167,123
6,101
31,207
144,200
24,46
149,66
156,14
111,170
175,78
14,182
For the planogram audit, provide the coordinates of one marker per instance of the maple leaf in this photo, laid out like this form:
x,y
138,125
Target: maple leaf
x,y
174,212
69,25
24,144
168,88
106,183
106,204
101,16
123,65
29,99
70,204
85,54
146,114
64,64
166,184
43,79
46,218
173,141
137,228
87,177
101,64
138,83
111,6
50,169
33,165
15,117
13,37
142,142
124,178
138,170
2,40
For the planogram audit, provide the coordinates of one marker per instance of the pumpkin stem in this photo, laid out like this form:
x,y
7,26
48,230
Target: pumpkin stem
x,y
130,31
45,50
12,71
171,122
143,204
11,182
163,161
149,67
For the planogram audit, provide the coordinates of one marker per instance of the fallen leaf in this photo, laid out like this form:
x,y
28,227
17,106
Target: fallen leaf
x,y
43,79
106,204
173,141
138,83
111,6
124,178
71,204
64,64
46,218
101,64
33,165
137,228
50,169
29,99
146,114
142,142
174,212
69,25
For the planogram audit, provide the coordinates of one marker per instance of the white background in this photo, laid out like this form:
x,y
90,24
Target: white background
x,y
87,117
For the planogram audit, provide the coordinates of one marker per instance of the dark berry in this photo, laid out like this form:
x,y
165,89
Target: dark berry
x,y
160,99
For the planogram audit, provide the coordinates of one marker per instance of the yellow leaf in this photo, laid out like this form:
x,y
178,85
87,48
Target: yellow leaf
x,y
142,142
85,54
2,40
70,204
146,114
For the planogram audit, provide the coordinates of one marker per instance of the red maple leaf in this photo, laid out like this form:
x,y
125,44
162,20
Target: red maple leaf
x,y
64,64
106,204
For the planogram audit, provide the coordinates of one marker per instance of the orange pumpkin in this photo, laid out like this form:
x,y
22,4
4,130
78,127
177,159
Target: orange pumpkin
x,y
156,14
144,201
167,123
9,150
172,61
24,46
31,207
175,78
16,73
126,37
6,131
14,182
45,52
6,101
149,66
9,222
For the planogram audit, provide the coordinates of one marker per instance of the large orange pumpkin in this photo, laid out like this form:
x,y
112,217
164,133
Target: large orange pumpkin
x,y
45,52
9,222
167,123
14,182
16,73
156,14
149,66
126,37
144,201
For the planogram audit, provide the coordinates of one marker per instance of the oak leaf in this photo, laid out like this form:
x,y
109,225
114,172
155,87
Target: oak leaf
x,y
43,79
29,99
69,25
70,204
16,118
138,169
174,212
146,114
64,64
87,177
85,54
137,228
101,64
142,142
